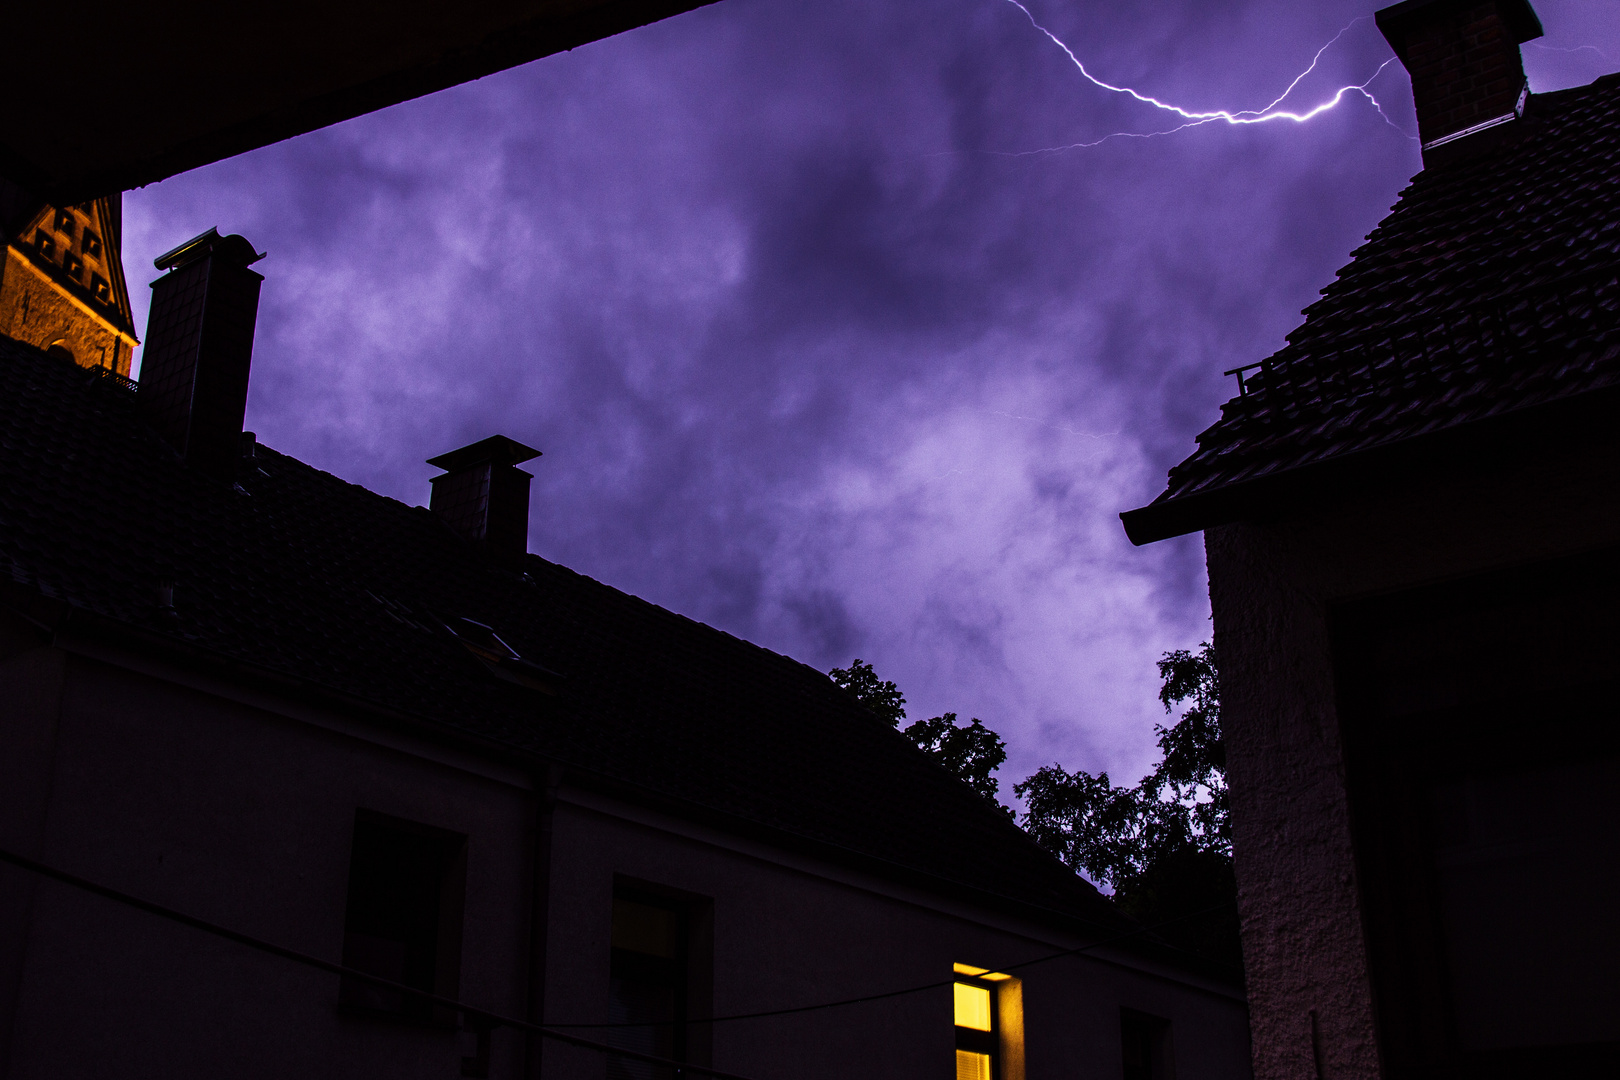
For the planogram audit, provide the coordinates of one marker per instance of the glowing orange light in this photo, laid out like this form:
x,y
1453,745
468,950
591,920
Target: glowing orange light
x,y
972,1007
971,1066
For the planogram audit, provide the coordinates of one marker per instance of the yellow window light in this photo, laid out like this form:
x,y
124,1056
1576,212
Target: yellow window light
x,y
971,1066
972,1009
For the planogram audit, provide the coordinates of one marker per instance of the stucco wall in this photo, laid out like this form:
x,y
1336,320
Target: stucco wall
x,y
789,932
237,815
240,810
1271,587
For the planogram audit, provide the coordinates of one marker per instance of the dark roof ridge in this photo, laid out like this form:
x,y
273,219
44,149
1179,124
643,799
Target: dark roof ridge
x,y
1492,286
300,579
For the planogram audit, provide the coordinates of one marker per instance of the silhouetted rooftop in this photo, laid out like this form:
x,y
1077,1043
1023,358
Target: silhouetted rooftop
x,y
1491,291
297,582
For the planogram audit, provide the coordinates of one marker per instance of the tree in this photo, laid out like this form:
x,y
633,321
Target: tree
x,y
972,752
882,699
1164,845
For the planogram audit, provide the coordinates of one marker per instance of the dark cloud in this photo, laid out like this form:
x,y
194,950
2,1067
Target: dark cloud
x,y
825,338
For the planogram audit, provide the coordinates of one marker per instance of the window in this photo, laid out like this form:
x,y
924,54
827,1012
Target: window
x,y
1145,1046
976,1042
98,286
44,244
91,244
65,222
501,658
989,1008
403,921
72,264
647,983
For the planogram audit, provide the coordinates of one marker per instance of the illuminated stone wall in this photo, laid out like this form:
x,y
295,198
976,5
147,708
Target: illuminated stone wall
x,y
62,288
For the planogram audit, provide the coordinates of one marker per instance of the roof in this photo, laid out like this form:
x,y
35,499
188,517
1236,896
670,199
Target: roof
x,y
1492,290
211,82
297,579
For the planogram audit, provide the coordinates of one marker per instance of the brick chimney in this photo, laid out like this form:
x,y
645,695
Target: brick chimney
x,y
199,343
484,496
1467,75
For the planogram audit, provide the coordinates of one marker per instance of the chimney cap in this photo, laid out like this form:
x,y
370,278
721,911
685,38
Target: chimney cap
x,y
1397,19
497,450
234,247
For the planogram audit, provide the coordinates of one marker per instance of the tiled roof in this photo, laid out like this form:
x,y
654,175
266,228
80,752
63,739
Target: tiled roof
x,y
325,588
1492,287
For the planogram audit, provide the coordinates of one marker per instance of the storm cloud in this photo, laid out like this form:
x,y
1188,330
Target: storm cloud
x,y
830,334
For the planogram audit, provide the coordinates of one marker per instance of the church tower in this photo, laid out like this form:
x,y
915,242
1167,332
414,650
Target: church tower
x,y
62,284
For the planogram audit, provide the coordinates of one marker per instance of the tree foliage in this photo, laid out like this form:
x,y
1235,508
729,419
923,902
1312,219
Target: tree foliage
x,y
1165,845
972,752
882,699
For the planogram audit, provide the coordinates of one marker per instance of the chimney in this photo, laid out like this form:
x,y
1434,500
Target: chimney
x,y
484,496
1467,75
199,342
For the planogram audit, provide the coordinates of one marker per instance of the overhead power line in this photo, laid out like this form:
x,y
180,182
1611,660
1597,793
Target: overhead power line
x,y
481,1021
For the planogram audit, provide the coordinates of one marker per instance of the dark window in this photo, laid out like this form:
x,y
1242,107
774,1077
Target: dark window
x,y
403,922
1145,1046
64,222
92,244
44,244
977,1034
72,264
98,286
647,984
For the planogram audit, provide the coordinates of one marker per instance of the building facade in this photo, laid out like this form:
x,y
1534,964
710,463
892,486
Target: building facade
x,y
299,780
62,284
1412,516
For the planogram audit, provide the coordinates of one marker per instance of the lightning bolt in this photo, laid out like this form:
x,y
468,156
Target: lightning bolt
x,y
1575,49
1195,118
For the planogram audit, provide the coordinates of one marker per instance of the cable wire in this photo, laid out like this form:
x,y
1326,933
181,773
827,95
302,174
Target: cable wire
x,y
479,1020
1077,950
552,1030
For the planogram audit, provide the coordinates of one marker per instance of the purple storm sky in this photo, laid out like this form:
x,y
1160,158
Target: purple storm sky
x,y
824,344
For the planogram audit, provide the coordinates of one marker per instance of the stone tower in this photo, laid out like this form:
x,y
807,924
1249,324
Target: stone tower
x,y
62,284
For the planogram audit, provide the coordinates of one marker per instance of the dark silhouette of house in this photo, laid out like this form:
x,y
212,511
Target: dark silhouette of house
x,y
1411,520
296,779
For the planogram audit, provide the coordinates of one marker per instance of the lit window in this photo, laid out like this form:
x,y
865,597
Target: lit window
x,y
989,1024
407,883
975,1029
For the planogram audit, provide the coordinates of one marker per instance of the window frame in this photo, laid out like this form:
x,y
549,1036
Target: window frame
x,y
973,1040
1152,1035
691,974
444,979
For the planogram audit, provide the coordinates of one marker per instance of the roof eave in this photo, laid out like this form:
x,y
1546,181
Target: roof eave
x,y
1541,427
